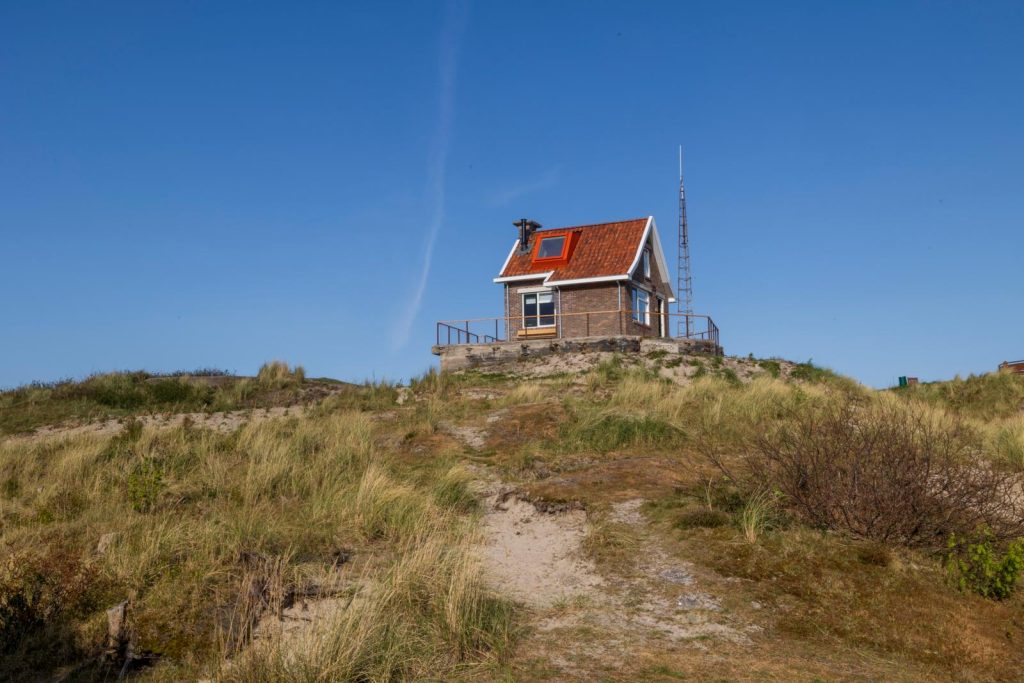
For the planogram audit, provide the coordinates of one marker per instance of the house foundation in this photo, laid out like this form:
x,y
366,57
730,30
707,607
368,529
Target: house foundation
x,y
465,356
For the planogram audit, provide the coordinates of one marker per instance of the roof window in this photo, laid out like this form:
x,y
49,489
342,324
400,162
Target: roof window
x,y
551,247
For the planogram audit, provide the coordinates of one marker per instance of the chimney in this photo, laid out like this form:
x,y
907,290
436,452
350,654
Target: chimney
x,y
526,230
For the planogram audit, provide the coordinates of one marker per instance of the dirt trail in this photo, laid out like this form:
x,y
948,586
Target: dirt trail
x,y
537,558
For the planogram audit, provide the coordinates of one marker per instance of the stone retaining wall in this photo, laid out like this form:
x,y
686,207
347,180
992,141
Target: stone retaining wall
x,y
462,356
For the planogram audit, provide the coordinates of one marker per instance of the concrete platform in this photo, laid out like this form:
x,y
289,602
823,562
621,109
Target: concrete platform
x,y
462,356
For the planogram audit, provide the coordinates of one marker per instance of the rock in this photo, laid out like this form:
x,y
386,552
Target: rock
x,y
697,601
103,545
404,395
118,638
676,575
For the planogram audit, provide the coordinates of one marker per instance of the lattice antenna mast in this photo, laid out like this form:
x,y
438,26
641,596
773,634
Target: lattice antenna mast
x,y
684,279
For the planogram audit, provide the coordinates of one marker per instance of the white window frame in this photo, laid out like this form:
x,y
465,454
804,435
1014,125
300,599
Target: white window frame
x,y
538,317
647,263
641,315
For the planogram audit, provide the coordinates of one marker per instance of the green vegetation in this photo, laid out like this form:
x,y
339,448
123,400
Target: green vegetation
x,y
825,515
997,395
198,518
772,367
978,565
130,393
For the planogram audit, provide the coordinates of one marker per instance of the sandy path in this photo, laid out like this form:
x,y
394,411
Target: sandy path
x,y
535,557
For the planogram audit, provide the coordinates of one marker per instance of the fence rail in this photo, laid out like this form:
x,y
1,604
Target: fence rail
x,y
583,324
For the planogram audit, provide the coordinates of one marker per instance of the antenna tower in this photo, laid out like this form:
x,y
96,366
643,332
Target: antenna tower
x,y
684,280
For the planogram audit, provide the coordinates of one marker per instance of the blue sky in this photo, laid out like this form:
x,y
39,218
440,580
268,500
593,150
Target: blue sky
x,y
217,184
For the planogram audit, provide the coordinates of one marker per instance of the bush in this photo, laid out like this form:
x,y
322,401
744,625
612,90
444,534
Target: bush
x,y
145,483
883,472
976,565
608,432
702,518
276,374
37,587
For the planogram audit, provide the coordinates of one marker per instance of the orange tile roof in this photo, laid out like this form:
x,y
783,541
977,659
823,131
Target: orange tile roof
x,y
601,250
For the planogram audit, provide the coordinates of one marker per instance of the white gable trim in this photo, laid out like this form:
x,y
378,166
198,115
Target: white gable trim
x,y
531,276
508,258
585,280
651,230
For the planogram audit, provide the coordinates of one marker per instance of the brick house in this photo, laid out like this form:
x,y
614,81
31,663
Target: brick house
x,y
588,280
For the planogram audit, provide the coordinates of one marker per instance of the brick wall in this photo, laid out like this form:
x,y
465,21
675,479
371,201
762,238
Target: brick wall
x,y
572,303
586,310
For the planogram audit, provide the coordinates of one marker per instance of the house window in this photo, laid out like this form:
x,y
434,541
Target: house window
x,y
641,307
539,309
647,264
551,247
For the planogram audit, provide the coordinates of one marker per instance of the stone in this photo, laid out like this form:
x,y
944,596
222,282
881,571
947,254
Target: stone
x,y
103,545
676,575
695,601
117,630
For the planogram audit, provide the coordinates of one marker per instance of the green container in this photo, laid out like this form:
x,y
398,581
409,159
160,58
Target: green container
x,y
903,381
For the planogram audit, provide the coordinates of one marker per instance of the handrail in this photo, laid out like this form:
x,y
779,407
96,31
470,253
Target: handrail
x,y
456,332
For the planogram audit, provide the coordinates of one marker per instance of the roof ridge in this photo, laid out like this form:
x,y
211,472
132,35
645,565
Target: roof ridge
x,y
590,225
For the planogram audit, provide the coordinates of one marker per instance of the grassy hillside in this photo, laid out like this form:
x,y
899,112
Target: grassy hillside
x,y
993,404
368,505
119,394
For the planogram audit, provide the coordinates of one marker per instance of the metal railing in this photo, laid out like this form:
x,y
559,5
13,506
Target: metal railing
x,y
573,325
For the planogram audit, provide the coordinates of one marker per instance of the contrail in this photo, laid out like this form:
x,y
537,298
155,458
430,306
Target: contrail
x,y
451,31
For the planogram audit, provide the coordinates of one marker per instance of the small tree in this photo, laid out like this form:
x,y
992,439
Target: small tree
x,y
885,472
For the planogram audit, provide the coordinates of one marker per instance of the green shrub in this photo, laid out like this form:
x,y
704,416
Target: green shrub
x,y
145,483
178,391
730,376
702,518
277,375
607,432
38,586
975,564
772,367
809,372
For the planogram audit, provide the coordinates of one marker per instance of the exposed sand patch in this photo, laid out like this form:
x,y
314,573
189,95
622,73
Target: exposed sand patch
x,y
584,617
474,437
534,556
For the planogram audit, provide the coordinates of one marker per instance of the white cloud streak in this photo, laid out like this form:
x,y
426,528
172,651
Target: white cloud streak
x,y
545,181
454,24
